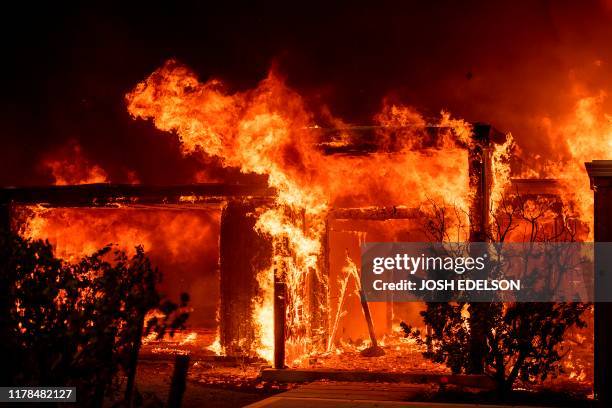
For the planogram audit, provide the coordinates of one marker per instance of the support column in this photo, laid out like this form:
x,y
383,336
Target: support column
x,y
480,184
280,315
281,252
243,253
600,175
479,157
318,294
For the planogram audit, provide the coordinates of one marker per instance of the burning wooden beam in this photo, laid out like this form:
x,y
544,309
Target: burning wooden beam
x,y
318,294
536,187
364,140
281,251
280,315
93,195
374,350
375,213
243,253
479,158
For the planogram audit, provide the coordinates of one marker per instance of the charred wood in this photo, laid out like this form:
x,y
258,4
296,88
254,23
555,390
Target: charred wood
x,y
88,195
375,213
243,253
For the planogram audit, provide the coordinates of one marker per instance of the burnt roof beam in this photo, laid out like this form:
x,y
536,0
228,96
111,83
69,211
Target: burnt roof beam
x,y
108,194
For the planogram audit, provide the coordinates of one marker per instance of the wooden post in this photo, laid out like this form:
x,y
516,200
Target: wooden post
x,y
133,364
280,314
373,350
600,174
243,253
179,381
480,183
318,295
389,308
368,317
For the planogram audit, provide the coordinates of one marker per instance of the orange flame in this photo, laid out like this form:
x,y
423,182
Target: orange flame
x,y
585,134
267,130
588,134
70,166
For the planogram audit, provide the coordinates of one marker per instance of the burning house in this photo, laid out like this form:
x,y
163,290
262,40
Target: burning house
x,y
255,197
273,265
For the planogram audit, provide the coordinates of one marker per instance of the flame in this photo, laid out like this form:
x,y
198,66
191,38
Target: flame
x,y
78,232
268,130
190,338
588,135
69,166
500,168
349,270
216,346
263,314
583,135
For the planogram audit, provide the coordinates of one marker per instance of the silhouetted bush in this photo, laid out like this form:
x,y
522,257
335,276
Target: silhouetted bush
x,y
76,324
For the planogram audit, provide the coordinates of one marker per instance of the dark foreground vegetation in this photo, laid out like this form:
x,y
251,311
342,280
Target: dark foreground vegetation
x,y
78,324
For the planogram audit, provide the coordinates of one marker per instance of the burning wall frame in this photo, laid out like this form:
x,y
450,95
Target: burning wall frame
x,y
237,227
237,234
238,201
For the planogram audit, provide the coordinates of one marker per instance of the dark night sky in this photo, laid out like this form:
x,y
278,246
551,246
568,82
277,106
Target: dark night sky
x,y
66,71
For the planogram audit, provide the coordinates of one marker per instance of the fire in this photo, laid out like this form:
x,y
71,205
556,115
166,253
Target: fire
x,y
69,166
268,130
78,232
182,244
263,314
501,171
190,338
216,347
588,134
349,271
584,134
